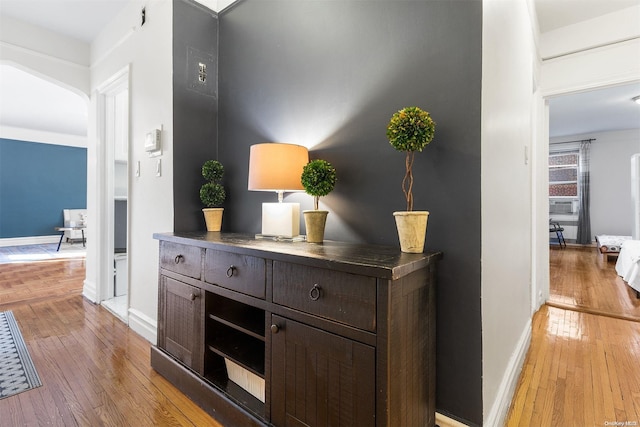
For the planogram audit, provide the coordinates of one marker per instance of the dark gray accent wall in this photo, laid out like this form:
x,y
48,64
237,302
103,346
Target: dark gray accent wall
x,y
329,75
195,107
120,226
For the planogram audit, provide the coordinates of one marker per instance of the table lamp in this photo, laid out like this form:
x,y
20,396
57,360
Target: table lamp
x,y
278,167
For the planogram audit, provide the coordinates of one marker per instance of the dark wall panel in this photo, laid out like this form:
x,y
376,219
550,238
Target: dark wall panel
x,y
329,75
195,107
38,181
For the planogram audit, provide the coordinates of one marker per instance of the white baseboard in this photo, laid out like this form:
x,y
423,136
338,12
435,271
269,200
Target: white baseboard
x,y
143,325
500,407
33,240
89,291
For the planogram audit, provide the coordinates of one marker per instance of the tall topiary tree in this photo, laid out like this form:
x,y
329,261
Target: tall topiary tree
x,y
410,130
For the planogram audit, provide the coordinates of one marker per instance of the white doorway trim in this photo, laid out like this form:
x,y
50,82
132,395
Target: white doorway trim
x,y
104,219
587,70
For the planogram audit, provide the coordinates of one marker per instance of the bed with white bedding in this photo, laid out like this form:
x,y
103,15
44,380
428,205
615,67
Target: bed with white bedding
x,y
628,264
610,244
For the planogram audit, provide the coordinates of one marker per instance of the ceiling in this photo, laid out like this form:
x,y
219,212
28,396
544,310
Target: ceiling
x,y
598,110
80,19
63,112
553,14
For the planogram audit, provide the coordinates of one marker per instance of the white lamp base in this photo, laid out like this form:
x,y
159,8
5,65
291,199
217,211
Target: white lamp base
x,y
280,221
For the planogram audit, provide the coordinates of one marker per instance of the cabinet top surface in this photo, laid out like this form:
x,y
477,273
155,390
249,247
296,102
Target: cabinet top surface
x,y
374,260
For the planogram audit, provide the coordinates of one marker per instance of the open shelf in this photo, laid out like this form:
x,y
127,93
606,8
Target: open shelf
x,y
244,318
243,349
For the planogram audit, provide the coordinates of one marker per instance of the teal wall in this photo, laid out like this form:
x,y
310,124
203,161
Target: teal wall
x,y
38,181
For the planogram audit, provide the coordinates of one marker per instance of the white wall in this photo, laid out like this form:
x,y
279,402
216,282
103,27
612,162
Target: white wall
x,y
508,75
32,135
53,57
148,52
604,30
600,52
49,55
611,207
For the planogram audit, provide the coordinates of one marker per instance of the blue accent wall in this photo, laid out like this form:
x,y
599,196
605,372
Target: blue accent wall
x,y
38,181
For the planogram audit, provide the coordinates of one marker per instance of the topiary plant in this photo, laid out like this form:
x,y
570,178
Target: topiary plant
x,y
410,130
212,192
318,179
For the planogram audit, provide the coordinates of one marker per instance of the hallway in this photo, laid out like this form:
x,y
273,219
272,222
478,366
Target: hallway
x,y
582,368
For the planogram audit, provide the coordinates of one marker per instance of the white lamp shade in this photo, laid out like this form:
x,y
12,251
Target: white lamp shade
x,y
277,167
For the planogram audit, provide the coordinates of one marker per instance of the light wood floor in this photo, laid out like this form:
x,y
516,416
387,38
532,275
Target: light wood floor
x,y
583,365
584,280
581,370
95,371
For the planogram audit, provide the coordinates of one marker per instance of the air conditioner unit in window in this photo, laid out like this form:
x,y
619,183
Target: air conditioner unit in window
x,y
561,207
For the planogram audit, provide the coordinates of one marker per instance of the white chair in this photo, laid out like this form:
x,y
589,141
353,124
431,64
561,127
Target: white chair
x,y
74,218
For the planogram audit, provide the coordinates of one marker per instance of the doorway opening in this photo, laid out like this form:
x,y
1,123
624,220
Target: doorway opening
x,y
114,100
581,278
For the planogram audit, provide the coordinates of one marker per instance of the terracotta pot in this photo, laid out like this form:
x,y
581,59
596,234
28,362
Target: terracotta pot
x,y
412,229
213,218
315,222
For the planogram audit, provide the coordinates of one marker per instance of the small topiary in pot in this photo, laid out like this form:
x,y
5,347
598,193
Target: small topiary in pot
x,y
318,179
212,194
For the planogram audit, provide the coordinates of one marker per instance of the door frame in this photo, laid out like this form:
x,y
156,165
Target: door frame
x,y
541,279
105,150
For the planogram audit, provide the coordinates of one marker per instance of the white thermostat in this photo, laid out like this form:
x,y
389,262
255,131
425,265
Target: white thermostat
x,y
152,141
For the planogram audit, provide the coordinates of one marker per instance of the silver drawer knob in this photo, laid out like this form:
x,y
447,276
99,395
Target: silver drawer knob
x,y
315,292
275,328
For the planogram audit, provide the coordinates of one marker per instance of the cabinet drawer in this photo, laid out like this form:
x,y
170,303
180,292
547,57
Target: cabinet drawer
x,y
241,273
182,259
343,297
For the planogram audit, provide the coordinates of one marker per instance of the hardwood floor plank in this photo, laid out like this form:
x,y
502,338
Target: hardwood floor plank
x,y
585,280
582,366
94,369
602,380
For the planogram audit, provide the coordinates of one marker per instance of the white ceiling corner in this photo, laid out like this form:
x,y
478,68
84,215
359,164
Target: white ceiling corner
x,y
29,101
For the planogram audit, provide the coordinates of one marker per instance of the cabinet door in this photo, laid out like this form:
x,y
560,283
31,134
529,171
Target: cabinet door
x,y
320,379
181,327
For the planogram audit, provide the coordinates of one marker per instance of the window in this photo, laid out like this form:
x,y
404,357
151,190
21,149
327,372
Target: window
x,y
563,175
563,183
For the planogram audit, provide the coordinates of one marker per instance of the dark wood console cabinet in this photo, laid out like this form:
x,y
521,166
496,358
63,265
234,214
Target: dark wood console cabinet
x,y
332,334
